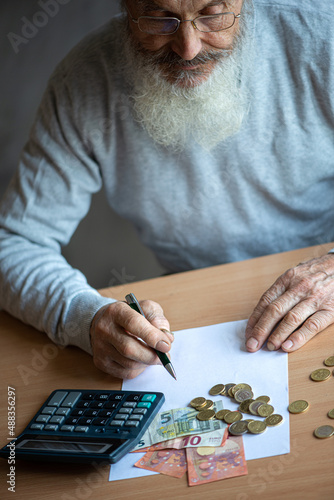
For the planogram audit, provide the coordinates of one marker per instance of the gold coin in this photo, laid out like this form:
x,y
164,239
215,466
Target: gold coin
x,y
244,406
217,389
256,427
237,387
204,451
197,402
330,414
253,407
265,410
207,406
242,395
221,414
266,399
329,361
232,416
249,420
238,428
206,415
228,387
320,375
299,406
273,420
324,431
230,392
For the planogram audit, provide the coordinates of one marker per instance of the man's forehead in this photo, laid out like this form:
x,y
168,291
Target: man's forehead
x,y
175,5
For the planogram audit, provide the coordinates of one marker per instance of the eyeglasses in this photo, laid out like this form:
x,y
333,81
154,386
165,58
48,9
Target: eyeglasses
x,y
170,25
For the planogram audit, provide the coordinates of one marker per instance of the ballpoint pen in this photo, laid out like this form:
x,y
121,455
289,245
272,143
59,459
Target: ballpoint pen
x,y
134,304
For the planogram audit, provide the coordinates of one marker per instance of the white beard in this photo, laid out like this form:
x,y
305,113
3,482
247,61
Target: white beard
x,y
172,114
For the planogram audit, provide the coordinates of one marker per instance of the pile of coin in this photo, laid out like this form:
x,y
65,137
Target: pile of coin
x,y
243,395
301,406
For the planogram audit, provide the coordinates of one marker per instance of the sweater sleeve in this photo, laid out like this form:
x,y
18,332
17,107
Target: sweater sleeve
x,y
48,196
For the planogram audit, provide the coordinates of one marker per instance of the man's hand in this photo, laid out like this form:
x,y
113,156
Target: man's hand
x,y
117,335
295,308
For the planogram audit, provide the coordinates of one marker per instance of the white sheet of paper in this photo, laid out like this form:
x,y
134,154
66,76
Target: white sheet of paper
x,y
205,356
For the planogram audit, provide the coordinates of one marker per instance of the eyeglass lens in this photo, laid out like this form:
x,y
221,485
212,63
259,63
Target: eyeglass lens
x,y
166,25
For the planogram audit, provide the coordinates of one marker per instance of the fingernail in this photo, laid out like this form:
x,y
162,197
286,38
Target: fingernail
x,y
162,346
271,346
287,344
252,343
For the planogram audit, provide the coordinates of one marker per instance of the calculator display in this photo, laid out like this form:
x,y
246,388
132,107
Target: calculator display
x,y
63,446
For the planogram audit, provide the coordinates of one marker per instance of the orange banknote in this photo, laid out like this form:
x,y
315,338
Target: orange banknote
x,y
169,462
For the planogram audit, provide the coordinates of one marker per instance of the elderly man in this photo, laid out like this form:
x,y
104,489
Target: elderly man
x,y
210,126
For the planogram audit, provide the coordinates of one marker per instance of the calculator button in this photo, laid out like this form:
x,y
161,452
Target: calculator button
x,y
72,420
96,404
132,423
105,413
144,405
149,397
48,410
78,412
91,413
81,428
85,421
88,395
121,417
118,423
102,397
111,405
136,417
63,411
57,398
127,404
133,397
37,427
125,410
139,411
58,419
42,418
116,397
71,399
50,427
100,421
67,428
83,404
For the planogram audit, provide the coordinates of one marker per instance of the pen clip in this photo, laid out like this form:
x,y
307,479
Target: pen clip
x,y
133,302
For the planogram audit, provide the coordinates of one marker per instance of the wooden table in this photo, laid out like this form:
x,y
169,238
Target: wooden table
x,y
34,367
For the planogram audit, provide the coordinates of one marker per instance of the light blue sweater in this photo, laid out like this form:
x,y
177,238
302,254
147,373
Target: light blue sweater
x,y
267,189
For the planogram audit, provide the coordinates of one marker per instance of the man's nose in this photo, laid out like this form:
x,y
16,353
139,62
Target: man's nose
x,y
187,41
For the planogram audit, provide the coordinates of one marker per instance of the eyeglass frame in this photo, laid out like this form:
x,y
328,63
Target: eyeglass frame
x,y
179,21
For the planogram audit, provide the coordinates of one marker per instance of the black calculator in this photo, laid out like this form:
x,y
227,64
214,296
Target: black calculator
x,y
86,426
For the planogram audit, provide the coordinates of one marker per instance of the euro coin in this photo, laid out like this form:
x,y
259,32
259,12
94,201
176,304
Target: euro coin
x,y
265,410
238,428
273,420
324,431
266,399
206,415
329,361
330,414
227,388
320,375
256,427
237,387
221,414
243,394
230,392
205,451
232,416
253,407
217,389
197,402
207,406
299,406
244,406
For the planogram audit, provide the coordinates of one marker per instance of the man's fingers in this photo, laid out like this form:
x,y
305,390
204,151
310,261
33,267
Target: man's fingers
x,y
312,326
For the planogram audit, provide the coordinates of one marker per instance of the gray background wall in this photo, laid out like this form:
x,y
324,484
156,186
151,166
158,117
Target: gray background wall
x,y
104,247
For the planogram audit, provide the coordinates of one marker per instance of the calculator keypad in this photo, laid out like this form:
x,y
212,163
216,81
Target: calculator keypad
x,y
76,411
